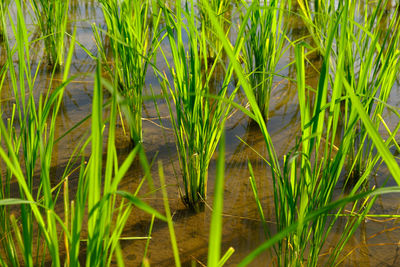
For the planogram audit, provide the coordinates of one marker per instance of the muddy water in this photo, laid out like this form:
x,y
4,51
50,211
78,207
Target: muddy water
x,y
374,244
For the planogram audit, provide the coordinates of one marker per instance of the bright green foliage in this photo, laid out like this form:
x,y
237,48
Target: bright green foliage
x,y
371,69
305,182
26,148
171,229
28,139
264,46
214,248
52,17
223,12
341,120
318,16
107,216
370,63
132,31
199,116
311,174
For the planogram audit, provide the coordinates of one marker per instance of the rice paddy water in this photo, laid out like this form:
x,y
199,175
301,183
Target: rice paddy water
x,y
199,133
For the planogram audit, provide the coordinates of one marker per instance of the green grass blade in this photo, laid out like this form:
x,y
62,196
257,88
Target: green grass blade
x,y
169,217
141,205
214,246
373,133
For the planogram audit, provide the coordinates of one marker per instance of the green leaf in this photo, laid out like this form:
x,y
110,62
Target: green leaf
x,y
141,205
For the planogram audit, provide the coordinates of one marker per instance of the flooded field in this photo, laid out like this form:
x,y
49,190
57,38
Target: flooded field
x,y
375,242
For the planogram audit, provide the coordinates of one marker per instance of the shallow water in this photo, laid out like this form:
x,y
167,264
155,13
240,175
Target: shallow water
x,y
376,242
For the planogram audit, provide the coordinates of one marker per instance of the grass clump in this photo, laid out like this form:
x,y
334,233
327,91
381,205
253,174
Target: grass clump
x,y
25,148
132,30
304,185
52,17
340,122
371,67
311,174
264,46
370,64
42,234
222,10
196,115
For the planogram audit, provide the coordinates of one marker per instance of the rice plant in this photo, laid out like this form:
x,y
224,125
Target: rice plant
x,y
265,45
40,234
214,258
196,117
52,17
318,16
340,123
370,63
26,147
309,177
223,10
311,173
331,169
108,207
133,33
371,68
305,182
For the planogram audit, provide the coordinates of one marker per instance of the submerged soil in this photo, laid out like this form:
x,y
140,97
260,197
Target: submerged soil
x,y
376,242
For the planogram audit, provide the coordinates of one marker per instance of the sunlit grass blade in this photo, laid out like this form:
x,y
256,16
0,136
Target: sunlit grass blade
x,y
374,135
264,46
226,257
52,18
169,217
214,247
